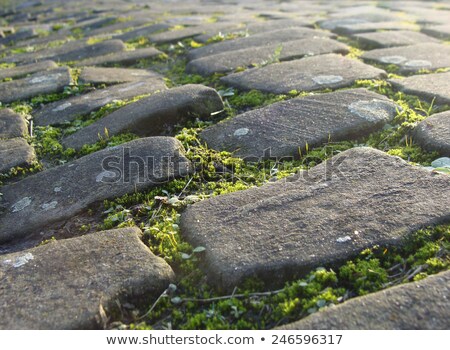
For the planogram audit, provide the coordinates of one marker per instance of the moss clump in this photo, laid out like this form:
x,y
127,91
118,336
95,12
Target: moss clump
x,y
105,142
397,137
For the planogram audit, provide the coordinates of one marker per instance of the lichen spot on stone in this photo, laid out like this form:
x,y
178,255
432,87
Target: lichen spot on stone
x,y
19,261
327,79
393,59
44,79
20,205
343,239
62,107
241,132
49,205
105,174
57,189
418,64
373,111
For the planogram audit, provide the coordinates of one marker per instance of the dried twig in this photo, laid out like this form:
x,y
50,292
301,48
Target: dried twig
x,y
236,296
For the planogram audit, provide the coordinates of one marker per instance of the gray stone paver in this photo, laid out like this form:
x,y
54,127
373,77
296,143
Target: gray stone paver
x,y
69,109
157,114
412,58
60,193
307,74
256,40
392,39
431,87
282,129
360,198
79,276
433,133
15,152
229,61
41,83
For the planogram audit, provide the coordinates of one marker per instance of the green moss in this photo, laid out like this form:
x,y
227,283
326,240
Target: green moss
x,y
176,75
228,36
397,137
19,172
7,65
46,141
105,142
252,98
195,305
363,275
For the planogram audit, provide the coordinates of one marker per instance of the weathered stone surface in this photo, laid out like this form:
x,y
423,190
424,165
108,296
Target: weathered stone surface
x,y
15,152
440,31
359,198
62,35
19,35
263,39
433,133
92,23
366,27
414,57
283,128
151,116
39,83
59,193
229,61
12,124
255,27
429,86
426,16
333,23
69,109
100,75
64,284
189,32
416,305
27,69
268,26
119,26
72,51
307,74
393,38
143,31
123,58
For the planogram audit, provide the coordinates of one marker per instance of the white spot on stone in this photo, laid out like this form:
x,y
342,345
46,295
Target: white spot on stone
x,y
241,132
418,64
373,111
22,204
44,79
57,189
103,174
393,59
344,239
62,107
20,260
327,79
49,205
